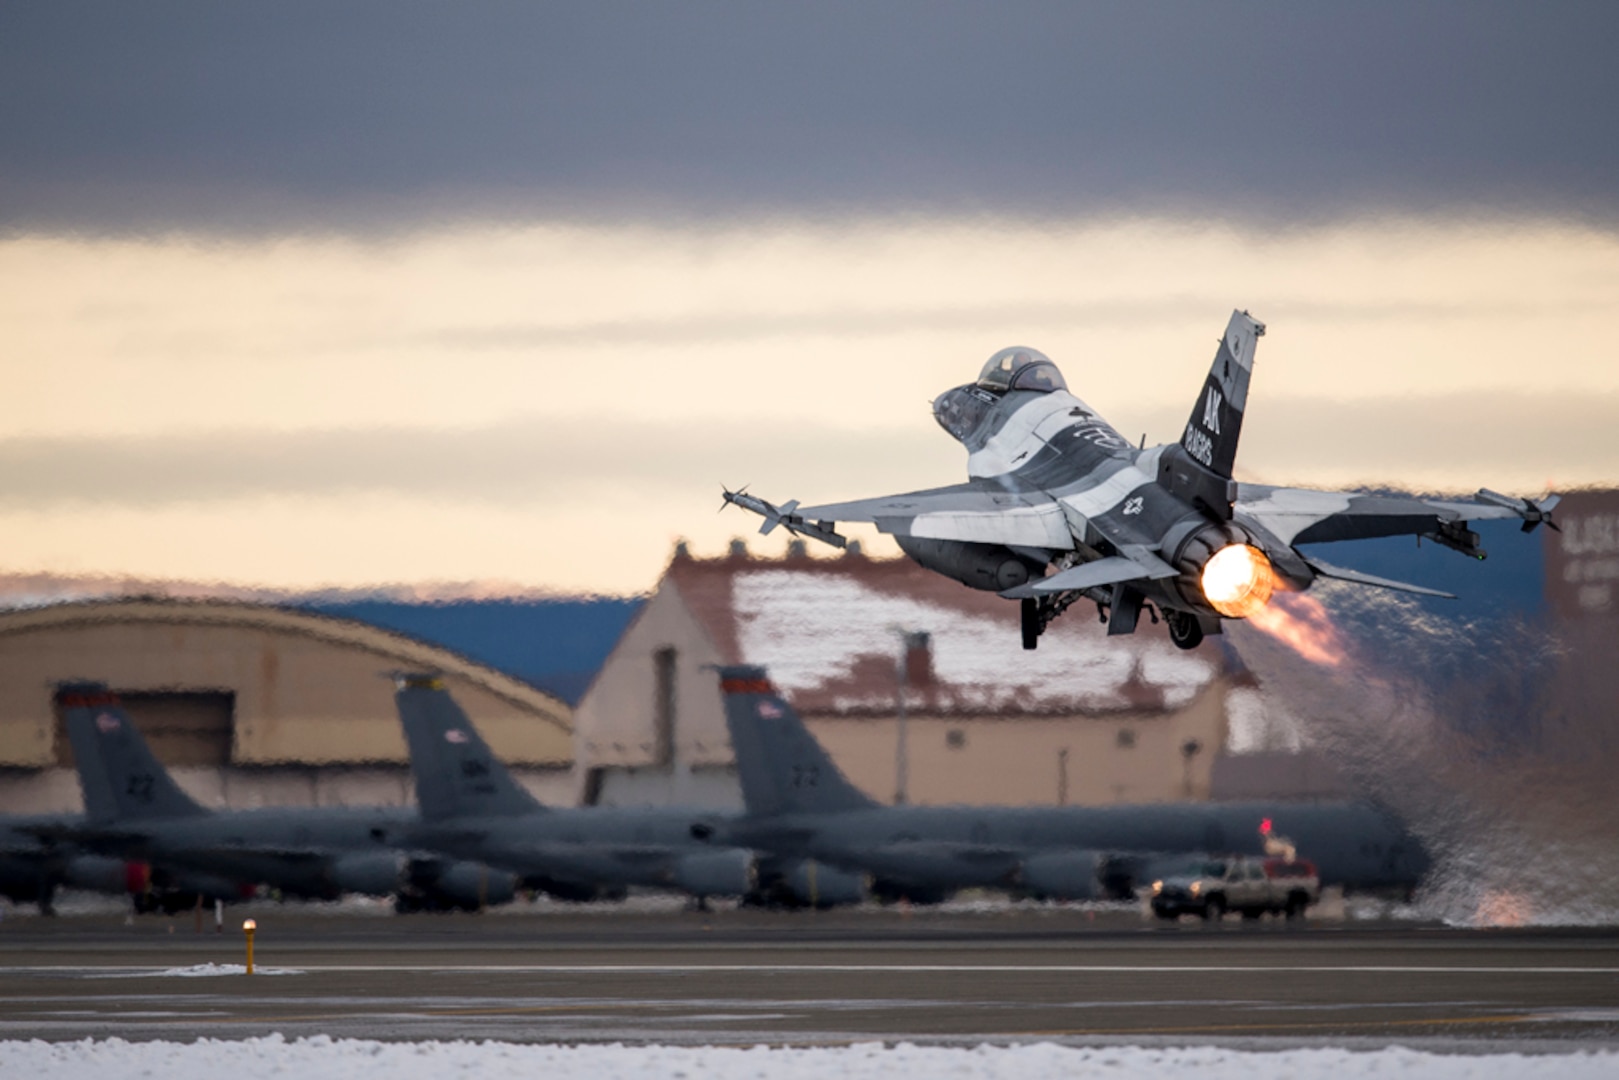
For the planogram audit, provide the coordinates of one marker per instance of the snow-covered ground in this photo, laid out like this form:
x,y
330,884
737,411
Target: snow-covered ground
x,y
343,1059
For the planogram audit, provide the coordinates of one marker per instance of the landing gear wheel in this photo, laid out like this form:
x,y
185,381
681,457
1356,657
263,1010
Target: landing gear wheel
x,y
1184,629
1031,622
1213,909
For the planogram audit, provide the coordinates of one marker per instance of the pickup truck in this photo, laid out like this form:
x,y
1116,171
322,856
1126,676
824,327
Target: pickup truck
x,y
1212,887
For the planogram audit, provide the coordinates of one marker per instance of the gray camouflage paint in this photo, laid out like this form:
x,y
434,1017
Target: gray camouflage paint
x,y
1055,484
472,808
135,810
801,806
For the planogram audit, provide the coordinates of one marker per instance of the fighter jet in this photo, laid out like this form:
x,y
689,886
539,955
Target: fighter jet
x,y
800,807
1060,507
472,808
135,810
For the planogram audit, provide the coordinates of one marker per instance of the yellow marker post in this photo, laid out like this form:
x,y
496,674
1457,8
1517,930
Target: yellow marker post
x,y
248,926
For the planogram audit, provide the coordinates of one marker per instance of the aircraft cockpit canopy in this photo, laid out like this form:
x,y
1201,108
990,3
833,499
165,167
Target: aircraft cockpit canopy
x,y
1021,368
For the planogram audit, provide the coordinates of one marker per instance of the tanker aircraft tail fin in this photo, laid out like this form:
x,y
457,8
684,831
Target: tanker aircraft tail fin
x,y
121,777
783,769
457,775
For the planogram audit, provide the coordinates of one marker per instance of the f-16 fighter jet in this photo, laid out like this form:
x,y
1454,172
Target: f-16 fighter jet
x,y
1060,507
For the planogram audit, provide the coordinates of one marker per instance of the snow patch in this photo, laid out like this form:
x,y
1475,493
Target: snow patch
x,y
324,1058
199,971
808,630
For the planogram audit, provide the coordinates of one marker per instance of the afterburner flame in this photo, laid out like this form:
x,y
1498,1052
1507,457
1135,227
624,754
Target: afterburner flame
x,y
1301,623
1237,581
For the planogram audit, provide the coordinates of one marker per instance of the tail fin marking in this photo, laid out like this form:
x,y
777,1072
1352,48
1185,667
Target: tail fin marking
x,y
456,773
1215,425
783,769
121,778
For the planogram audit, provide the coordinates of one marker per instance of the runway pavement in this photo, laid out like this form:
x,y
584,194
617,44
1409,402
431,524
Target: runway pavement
x,y
747,977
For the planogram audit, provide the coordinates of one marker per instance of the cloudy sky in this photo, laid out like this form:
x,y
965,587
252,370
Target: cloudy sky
x,y
347,294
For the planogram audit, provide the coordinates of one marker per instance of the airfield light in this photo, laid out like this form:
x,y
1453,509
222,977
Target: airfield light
x,y
1237,581
248,926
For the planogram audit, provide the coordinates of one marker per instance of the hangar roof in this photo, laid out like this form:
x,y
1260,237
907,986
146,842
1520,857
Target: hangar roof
x,y
830,631
410,653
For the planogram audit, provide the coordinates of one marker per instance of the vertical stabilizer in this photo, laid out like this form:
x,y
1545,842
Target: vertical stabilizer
x,y
121,777
782,768
456,774
1216,421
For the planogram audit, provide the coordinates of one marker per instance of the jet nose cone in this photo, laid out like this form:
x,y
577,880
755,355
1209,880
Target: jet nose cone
x,y
960,412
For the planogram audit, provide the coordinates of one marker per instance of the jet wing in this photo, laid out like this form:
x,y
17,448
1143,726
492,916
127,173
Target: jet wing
x,y
94,837
1326,569
938,863
1304,516
980,511
584,860
1110,571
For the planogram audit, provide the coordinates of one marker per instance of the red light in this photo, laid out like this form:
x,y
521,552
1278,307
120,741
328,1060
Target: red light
x,y
1264,827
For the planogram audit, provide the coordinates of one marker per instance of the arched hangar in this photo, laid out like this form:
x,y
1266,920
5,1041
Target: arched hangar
x,y
251,704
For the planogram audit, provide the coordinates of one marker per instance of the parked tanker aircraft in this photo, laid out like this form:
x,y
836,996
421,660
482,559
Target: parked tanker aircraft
x,y
135,810
800,807
32,868
472,808
1167,529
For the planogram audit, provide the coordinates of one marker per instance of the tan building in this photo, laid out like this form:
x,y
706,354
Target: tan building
x,y
1083,719
252,704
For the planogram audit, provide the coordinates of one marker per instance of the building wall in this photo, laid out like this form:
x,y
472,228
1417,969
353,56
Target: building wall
x,y
1033,761
1582,561
614,723
1007,761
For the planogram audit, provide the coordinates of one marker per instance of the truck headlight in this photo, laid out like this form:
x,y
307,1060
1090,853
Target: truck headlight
x,y
1197,887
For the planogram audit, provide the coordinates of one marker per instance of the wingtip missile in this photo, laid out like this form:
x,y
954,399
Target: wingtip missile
x,y
1533,513
787,517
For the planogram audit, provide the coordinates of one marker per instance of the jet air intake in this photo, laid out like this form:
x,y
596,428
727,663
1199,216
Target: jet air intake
x,y
1224,570
990,567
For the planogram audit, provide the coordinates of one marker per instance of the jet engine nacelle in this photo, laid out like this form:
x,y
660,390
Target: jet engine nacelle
x,y
376,874
105,874
818,885
1223,570
472,885
990,567
1062,875
716,873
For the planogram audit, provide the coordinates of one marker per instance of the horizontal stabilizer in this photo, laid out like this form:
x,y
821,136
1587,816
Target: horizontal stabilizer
x,y
1109,571
1341,574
